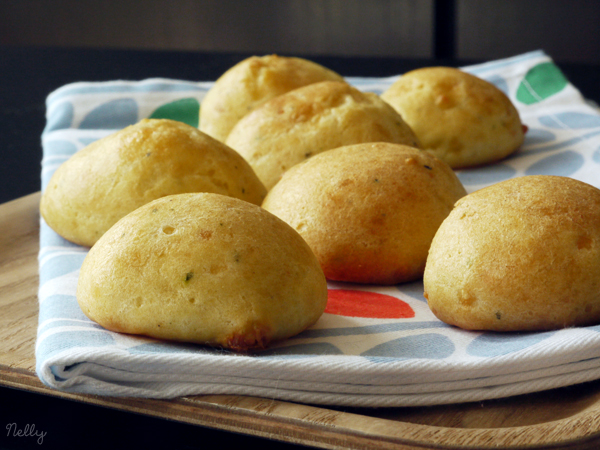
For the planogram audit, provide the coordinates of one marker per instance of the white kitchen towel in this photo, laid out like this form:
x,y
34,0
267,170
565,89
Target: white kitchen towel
x,y
390,351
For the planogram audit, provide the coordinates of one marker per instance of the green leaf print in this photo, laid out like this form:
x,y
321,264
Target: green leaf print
x,y
541,82
186,110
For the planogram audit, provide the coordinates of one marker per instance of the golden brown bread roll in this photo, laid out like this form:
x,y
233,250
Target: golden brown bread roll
x,y
521,255
292,127
462,119
121,172
368,211
251,82
203,268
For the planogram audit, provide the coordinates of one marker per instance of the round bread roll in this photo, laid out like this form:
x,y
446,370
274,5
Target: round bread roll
x,y
119,173
290,128
250,83
368,211
203,268
521,255
462,119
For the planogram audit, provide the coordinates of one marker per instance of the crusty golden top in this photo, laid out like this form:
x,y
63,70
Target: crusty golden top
x,y
368,211
203,268
125,170
304,122
462,119
523,254
251,82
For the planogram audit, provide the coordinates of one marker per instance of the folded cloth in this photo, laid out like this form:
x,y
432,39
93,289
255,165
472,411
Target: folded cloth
x,y
395,354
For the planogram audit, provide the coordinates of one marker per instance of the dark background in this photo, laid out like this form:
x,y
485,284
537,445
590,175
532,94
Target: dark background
x,y
45,44
479,30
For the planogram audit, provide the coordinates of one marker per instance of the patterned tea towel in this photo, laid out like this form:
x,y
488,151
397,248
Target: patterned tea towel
x,y
396,353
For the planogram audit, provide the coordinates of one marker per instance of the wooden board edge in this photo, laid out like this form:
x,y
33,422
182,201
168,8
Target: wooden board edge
x,y
312,425
223,416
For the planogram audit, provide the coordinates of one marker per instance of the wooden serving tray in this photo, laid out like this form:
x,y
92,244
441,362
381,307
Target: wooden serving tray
x,y
567,418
